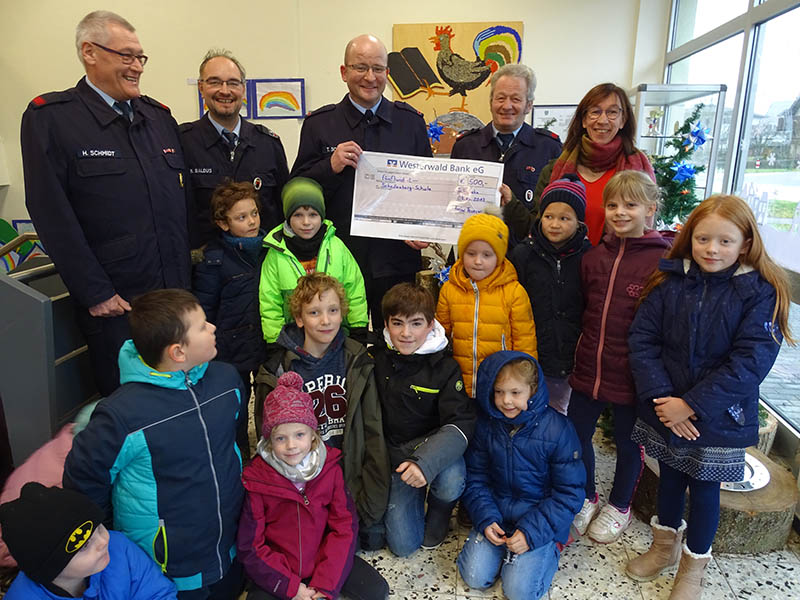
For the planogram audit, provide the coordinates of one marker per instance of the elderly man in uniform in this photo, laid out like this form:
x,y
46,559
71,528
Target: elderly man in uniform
x,y
508,139
331,141
221,145
104,185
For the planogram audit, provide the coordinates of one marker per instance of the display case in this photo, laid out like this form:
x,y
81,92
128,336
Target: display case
x,y
661,110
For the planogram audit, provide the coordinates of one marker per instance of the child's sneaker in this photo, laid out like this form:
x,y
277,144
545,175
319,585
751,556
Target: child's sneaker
x,y
583,518
609,525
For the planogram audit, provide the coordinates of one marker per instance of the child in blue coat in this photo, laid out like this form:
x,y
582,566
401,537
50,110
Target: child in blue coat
x,y
706,334
525,480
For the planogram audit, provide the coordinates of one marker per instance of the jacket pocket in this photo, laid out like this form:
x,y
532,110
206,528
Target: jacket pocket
x,y
160,552
95,167
115,250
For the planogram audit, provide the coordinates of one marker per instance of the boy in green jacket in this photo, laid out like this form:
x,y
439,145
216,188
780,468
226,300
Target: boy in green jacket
x,y
338,375
306,243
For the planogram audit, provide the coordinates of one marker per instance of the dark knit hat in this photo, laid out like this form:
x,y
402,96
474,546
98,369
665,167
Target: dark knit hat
x,y
45,527
288,403
302,191
569,190
486,228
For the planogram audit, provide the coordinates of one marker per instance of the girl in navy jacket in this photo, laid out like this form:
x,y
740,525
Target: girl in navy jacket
x,y
706,334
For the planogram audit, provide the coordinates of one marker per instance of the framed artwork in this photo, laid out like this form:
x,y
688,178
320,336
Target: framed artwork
x,y
244,112
278,98
555,117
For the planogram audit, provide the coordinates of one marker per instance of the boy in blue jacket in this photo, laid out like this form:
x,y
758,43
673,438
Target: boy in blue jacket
x,y
63,549
160,453
525,480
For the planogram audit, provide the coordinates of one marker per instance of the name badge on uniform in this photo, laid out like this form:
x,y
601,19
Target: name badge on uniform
x,y
97,153
257,183
329,149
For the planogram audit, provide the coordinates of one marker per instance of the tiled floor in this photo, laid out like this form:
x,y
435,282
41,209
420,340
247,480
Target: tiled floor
x,y
590,571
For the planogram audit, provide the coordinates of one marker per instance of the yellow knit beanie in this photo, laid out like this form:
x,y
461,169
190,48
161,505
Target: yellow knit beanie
x,y
487,228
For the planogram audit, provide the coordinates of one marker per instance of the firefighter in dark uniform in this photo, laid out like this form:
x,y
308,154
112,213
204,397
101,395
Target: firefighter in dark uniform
x,y
104,186
508,139
221,145
331,141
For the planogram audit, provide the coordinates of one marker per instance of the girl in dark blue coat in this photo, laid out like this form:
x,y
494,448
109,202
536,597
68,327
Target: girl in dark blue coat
x,y
707,332
525,480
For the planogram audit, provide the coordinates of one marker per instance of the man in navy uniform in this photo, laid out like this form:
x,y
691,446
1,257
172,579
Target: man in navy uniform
x,y
104,186
509,139
222,145
331,142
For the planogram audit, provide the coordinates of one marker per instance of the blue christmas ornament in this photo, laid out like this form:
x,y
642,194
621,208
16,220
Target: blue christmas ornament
x,y
696,136
443,275
683,171
435,131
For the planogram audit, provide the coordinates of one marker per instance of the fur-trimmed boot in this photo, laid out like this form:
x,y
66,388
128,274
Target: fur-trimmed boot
x,y
663,553
689,580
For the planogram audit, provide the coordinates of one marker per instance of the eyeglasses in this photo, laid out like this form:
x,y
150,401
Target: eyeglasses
x,y
127,57
612,113
214,83
361,69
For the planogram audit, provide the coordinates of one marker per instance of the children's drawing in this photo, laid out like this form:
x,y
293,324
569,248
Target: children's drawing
x,y
278,98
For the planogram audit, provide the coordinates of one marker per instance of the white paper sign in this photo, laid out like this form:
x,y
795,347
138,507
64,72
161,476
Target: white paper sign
x,y
413,198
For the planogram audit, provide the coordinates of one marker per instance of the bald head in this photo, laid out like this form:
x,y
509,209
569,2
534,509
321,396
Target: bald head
x,y
364,70
361,43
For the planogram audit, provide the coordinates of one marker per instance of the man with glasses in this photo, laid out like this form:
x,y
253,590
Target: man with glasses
x,y
104,185
331,142
222,145
509,139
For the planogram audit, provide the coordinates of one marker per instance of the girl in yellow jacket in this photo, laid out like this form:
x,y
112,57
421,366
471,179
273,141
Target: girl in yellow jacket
x,y
482,306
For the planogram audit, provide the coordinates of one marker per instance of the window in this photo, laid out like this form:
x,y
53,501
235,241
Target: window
x,y
696,17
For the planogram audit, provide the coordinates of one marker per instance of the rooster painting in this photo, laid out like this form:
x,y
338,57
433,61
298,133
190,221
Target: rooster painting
x,y
494,47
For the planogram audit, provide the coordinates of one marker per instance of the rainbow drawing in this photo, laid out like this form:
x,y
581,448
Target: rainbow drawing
x,y
279,99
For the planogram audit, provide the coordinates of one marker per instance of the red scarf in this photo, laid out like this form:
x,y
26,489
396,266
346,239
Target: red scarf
x,y
599,158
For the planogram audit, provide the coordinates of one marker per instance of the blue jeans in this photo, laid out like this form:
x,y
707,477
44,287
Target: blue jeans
x,y
405,514
525,576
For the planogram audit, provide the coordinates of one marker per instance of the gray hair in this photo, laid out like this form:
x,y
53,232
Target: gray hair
x,y
521,71
94,28
217,52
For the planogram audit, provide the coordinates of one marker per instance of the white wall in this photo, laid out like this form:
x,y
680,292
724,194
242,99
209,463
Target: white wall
x,y
571,44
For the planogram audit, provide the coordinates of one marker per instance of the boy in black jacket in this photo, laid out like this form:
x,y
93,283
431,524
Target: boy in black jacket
x,y
428,420
548,266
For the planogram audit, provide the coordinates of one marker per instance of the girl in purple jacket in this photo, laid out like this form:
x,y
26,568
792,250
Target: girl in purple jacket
x,y
612,277
706,334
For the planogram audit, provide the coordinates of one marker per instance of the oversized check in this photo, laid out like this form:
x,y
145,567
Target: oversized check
x,y
415,198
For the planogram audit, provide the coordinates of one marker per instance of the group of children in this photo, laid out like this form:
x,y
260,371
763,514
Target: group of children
x,y
451,403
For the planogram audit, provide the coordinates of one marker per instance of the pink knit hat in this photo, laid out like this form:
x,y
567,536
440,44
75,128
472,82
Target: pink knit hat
x,y
288,403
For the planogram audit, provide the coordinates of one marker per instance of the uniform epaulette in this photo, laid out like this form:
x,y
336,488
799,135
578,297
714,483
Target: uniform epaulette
x,y
547,133
406,106
320,110
51,98
184,127
262,129
468,132
154,102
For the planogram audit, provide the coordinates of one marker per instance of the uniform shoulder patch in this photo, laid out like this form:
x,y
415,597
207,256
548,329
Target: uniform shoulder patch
x,y
467,132
154,102
266,130
406,106
459,385
321,109
547,133
51,98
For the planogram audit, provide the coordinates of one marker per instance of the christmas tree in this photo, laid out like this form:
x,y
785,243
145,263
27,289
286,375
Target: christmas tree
x,y
675,173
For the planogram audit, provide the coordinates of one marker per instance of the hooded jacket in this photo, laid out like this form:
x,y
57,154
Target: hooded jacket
x,y
281,270
523,473
552,278
365,461
161,451
129,575
613,275
705,338
286,535
432,418
498,303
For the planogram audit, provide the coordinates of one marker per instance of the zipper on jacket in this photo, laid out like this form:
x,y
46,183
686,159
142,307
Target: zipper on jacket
x,y
213,472
558,268
598,373
475,335
305,498
161,532
419,388
299,539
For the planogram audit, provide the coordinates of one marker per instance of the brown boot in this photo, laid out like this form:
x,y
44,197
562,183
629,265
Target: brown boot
x,y
689,580
664,552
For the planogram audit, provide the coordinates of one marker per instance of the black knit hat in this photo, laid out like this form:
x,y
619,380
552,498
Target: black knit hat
x,y
569,190
45,527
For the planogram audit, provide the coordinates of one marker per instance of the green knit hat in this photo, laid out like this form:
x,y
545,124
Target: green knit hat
x,y
302,191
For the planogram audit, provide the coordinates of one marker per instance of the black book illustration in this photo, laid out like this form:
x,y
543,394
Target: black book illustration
x,y
410,73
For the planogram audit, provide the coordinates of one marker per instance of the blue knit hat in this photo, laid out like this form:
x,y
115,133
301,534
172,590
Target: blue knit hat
x,y
569,190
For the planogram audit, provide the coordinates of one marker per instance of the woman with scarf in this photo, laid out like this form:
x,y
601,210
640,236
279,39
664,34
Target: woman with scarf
x,y
599,144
